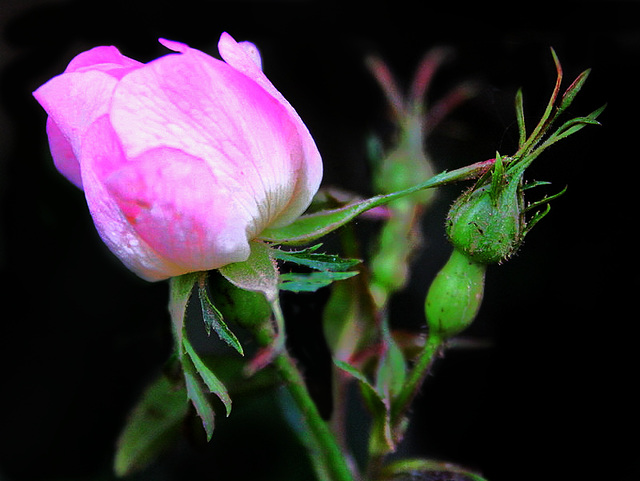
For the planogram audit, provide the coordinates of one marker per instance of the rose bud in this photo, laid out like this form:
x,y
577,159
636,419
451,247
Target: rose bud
x,y
455,296
183,160
487,222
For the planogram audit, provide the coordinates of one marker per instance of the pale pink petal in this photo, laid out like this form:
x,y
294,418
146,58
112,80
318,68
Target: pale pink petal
x,y
309,178
105,59
178,208
73,101
252,51
100,149
173,45
76,98
204,108
63,156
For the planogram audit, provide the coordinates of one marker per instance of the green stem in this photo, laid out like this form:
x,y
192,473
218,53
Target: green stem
x,y
416,377
330,457
324,450
313,226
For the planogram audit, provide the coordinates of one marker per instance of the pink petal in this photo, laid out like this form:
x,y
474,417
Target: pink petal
x,y
104,59
309,177
73,101
202,107
100,149
76,98
179,209
63,156
252,51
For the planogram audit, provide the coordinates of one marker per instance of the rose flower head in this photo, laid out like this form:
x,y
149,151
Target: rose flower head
x,y
183,160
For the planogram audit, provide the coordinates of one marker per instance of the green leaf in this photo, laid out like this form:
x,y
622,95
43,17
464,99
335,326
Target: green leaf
x,y
208,377
426,470
310,258
355,373
311,282
213,319
198,377
391,372
199,398
349,318
308,228
380,437
152,426
180,289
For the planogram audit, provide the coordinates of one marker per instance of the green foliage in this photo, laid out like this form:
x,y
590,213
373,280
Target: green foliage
x,y
199,379
426,470
488,222
327,269
315,260
213,318
311,227
152,425
312,281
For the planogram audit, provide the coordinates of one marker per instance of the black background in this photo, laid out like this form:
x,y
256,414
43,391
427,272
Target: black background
x,y
553,397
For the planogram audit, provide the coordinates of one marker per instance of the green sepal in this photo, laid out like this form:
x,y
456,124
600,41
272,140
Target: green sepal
x,y
197,394
572,126
199,379
522,129
211,381
426,470
213,318
257,274
152,425
180,289
497,179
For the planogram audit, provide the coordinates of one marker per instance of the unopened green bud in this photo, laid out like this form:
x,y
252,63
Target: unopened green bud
x,y
487,223
245,308
455,295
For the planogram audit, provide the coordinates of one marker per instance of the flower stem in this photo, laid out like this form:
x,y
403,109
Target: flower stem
x,y
326,456
416,377
332,461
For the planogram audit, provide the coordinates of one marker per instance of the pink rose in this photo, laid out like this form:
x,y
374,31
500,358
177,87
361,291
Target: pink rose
x,y
183,160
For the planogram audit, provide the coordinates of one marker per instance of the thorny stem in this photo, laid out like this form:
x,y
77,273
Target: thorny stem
x,y
324,450
416,377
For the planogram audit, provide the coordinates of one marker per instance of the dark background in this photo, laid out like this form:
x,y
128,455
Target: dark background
x,y
553,398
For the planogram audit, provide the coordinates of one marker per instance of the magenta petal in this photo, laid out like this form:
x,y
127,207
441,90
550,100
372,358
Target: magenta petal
x,y
203,107
73,101
100,149
104,59
64,158
179,209
310,175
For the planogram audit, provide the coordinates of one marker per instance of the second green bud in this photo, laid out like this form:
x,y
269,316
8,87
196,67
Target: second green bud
x,y
455,295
